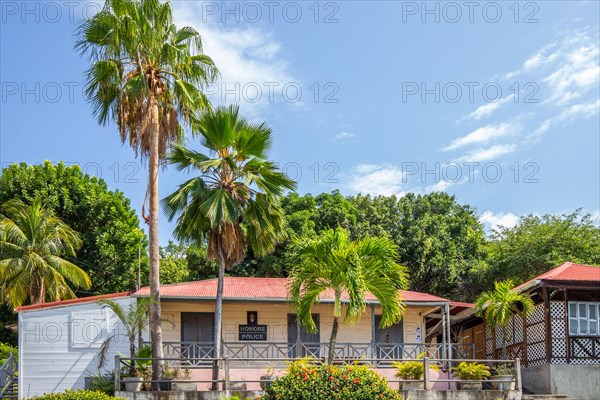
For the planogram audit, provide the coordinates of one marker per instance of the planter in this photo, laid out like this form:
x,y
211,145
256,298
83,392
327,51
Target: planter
x,y
165,385
508,384
132,383
411,386
266,381
469,385
184,386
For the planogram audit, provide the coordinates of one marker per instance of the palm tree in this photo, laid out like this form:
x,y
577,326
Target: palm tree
x,y
498,306
234,201
332,262
134,320
32,243
145,74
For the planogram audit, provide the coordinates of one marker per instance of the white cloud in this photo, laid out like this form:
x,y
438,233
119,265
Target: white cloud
x,y
249,59
343,135
490,153
377,179
494,220
483,135
487,109
582,110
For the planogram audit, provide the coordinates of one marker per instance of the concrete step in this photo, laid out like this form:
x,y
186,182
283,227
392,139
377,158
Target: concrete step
x,y
546,397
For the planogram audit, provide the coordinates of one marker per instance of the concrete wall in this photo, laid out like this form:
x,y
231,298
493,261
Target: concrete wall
x,y
274,315
460,394
578,381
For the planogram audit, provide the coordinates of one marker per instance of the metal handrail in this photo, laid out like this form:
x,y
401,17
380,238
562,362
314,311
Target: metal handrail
x,y
426,380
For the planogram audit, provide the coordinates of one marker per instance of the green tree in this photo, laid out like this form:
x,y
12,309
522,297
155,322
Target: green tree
x,y
441,242
497,307
145,74
538,243
331,261
234,201
32,242
104,219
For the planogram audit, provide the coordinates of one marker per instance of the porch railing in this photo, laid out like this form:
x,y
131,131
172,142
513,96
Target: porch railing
x,y
426,381
198,354
8,374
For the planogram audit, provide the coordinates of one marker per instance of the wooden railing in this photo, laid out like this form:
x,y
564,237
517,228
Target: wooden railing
x,y
8,373
194,354
584,347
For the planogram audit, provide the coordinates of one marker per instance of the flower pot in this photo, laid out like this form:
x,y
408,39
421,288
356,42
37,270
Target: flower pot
x,y
469,385
508,384
266,381
132,383
184,386
165,385
411,386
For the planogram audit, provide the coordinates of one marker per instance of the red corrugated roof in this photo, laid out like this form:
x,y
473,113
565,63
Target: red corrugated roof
x,y
568,272
72,301
255,288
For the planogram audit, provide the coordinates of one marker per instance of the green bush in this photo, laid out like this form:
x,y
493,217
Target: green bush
x,y
5,350
77,395
471,371
306,381
102,382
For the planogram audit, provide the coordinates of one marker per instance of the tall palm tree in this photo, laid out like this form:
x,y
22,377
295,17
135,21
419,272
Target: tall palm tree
x,y
498,306
332,262
32,243
234,201
146,75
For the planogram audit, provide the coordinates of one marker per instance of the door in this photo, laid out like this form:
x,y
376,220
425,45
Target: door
x,y
389,341
197,332
309,342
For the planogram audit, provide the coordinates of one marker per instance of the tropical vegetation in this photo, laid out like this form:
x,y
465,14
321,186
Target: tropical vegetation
x,y
146,75
234,201
77,395
499,306
331,262
32,242
305,380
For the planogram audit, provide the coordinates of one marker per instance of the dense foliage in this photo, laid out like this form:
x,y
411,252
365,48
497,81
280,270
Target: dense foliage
x,y
107,225
306,381
5,350
539,243
77,395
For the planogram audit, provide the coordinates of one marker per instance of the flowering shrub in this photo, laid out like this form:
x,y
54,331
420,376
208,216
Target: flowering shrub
x,y
306,381
77,395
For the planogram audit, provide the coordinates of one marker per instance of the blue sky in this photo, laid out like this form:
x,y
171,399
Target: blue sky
x,y
495,102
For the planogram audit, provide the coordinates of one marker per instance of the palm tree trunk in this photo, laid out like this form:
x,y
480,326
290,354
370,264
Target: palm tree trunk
x,y
333,340
218,315
155,328
36,291
504,339
132,369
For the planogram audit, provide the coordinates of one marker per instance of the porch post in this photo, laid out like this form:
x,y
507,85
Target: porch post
x,y
298,341
443,314
373,332
567,338
449,336
547,323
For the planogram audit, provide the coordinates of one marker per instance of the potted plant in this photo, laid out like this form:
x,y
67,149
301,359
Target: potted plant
x,y
267,379
133,383
471,371
183,374
167,376
411,370
503,373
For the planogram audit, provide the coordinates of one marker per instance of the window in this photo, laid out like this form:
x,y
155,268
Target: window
x,y
583,318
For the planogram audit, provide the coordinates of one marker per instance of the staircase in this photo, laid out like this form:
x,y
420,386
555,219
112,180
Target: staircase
x,y
546,397
8,379
11,391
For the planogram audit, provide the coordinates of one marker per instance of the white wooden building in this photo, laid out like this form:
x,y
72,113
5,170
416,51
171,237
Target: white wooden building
x,y
59,342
